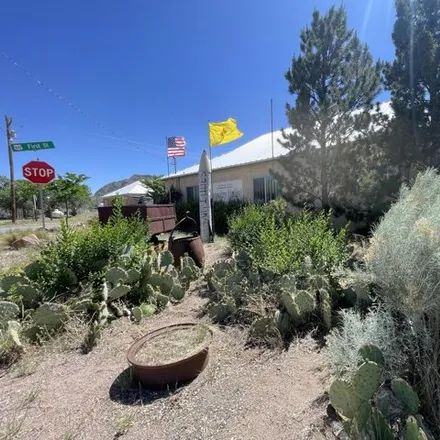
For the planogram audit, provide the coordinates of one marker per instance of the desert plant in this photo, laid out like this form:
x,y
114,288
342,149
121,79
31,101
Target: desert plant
x,y
279,241
403,262
373,410
377,327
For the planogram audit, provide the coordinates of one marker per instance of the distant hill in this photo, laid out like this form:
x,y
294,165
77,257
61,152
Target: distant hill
x,y
113,186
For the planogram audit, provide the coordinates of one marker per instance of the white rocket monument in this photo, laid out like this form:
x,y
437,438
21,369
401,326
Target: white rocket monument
x,y
205,198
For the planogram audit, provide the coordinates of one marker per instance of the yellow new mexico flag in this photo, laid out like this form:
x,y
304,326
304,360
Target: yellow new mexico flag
x,y
223,132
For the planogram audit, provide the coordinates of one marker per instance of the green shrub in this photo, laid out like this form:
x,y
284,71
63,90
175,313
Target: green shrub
x,y
222,211
76,255
280,242
403,261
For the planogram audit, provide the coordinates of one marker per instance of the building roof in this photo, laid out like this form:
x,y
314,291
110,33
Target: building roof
x,y
133,189
256,150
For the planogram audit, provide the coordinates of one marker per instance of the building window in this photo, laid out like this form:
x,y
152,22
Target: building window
x,y
265,189
192,193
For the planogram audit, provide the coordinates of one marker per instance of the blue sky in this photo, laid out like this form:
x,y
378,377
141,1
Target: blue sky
x,y
142,70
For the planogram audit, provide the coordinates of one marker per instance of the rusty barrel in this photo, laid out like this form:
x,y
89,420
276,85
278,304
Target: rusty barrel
x,y
192,245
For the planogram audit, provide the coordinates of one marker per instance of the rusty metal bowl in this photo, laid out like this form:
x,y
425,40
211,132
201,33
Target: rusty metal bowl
x,y
159,377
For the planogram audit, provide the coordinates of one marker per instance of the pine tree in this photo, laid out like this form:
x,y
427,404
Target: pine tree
x,y
414,81
333,77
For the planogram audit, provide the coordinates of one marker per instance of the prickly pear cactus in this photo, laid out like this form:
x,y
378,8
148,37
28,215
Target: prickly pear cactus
x,y
343,398
404,392
305,302
133,276
166,259
223,310
288,300
372,353
13,330
11,280
413,431
288,282
8,311
155,279
221,269
34,270
136,312
162,300
366,380
166,284
50,315
147,310
177,292
264,328
243,260
283,322
116,275
325,308
30,295
147,292
118,292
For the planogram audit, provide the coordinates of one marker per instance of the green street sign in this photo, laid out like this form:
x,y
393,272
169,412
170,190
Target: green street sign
x,y
33,146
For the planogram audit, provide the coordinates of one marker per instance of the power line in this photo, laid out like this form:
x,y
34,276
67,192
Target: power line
x,y
133,144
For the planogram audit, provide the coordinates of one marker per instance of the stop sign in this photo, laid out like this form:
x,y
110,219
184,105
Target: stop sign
x,y
38,172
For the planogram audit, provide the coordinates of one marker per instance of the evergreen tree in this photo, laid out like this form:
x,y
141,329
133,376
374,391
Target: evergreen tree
x,y
334,81
414,81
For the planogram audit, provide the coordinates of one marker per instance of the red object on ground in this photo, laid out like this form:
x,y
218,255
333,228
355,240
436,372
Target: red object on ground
x,y
38,172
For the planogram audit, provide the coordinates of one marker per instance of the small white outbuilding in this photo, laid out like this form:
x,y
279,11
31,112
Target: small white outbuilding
x,y
131,194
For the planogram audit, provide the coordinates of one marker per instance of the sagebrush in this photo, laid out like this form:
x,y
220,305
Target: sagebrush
x,y
403,261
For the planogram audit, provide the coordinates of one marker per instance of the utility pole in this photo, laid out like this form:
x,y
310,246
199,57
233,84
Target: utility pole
x,y
10,136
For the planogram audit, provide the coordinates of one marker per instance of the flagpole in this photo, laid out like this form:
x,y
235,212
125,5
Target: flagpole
x,y
175,165
168,166
271,127
212,187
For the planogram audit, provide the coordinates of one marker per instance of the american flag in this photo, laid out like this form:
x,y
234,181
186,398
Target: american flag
x,y
176,146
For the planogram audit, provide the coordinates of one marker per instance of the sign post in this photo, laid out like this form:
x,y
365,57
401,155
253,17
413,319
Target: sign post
x,y
40,173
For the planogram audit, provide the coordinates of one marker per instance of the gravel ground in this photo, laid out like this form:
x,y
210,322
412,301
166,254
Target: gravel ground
x,y
242,394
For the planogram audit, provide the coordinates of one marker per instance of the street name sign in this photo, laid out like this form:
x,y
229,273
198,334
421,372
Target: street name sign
x,y
33,146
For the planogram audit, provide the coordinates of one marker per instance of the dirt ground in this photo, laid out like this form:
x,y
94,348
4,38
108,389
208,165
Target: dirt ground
x,y
56,392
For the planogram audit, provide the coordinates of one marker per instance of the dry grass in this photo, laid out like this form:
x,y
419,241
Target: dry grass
x,y
8,239
174,345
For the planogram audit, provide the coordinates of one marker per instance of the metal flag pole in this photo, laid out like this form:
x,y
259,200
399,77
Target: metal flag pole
x,y
212,187
175,165
271,127
168,166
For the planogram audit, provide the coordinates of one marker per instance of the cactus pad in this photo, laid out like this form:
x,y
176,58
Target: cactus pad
x,y
10,280
290,305
133,276
162,300
343,398
223,310
30,295
166,259
147,292
8,311
283,322
413,431
288,282
148,310
34,270
166,284
366,380
404,392
155,279
177,292
264,328
14,329
116,275
50,315
372,353
221,269
137,314
305,302
118,292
